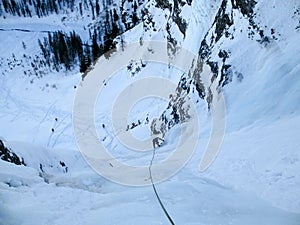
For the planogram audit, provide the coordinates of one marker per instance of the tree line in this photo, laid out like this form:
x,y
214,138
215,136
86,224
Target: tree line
x,y
27,8
60,48
69,50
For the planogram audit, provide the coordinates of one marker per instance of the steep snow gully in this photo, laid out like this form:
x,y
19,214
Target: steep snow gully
x,y
250,50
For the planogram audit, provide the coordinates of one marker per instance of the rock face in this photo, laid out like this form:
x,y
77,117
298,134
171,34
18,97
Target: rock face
x,y
9,156
215,50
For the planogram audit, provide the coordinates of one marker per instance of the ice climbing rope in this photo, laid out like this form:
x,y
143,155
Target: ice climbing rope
x,y
157,196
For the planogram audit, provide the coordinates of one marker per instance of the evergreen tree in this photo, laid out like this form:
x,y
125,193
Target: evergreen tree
x,y
85,61
115,30
135,18
95,47
80,8
135,6
97,8
93,10
116,16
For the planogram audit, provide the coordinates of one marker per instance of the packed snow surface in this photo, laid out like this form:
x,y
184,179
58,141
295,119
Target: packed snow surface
x,y
254,180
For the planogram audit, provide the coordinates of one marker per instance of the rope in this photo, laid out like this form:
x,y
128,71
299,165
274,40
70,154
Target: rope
x,y
157,196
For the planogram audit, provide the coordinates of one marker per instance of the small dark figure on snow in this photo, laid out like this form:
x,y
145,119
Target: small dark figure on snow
x,y
41,168
133,125
156,143
64,165
52,130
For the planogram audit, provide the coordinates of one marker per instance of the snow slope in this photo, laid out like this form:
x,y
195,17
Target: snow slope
x,y
254,180
81,196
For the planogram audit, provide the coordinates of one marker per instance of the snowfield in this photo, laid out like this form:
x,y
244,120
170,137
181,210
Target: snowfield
x,y
255,178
